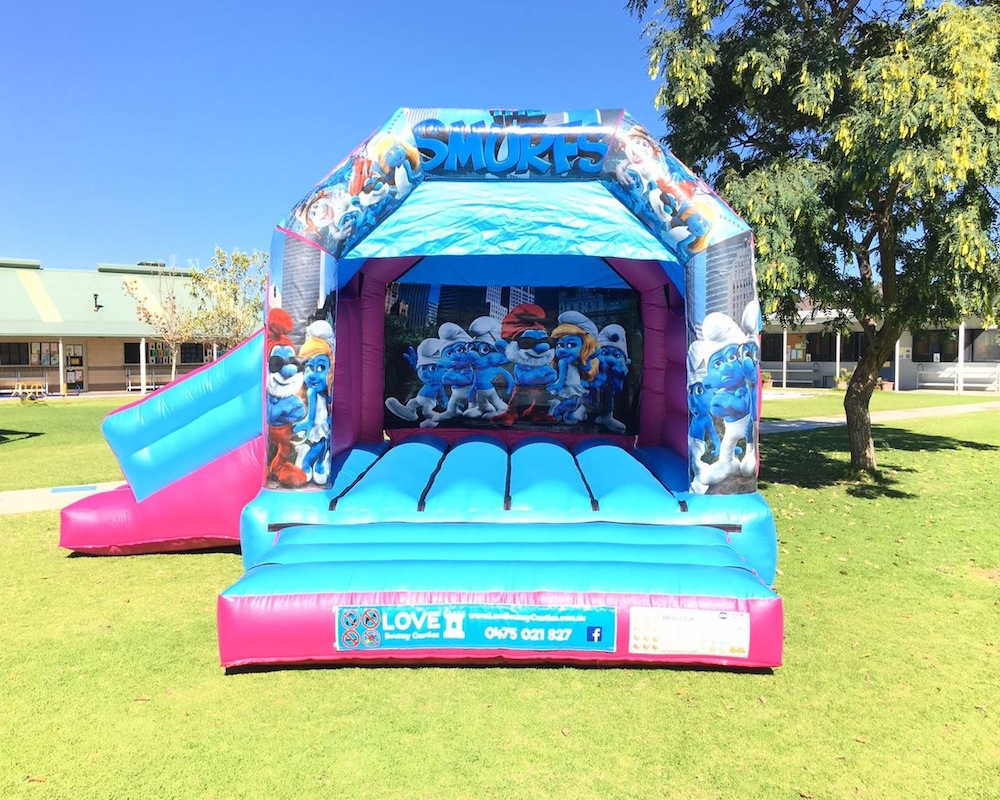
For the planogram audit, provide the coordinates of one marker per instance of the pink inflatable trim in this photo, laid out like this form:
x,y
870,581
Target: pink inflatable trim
x,y
300,629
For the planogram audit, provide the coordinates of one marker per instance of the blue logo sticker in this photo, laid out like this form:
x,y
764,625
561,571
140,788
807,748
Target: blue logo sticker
x,y
472,626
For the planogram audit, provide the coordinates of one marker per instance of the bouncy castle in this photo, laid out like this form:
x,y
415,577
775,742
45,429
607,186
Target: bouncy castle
x,y
504,409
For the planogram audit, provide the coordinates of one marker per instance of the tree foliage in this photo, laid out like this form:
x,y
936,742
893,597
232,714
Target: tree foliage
x,y
222,304
229,295
861,140
166,309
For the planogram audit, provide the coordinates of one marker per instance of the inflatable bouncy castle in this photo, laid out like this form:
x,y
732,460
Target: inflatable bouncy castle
x,y
504,409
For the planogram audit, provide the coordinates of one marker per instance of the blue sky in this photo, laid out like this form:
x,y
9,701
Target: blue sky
x,y
155,131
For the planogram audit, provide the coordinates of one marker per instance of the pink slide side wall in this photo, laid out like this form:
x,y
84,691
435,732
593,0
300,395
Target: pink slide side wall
x,y
199,511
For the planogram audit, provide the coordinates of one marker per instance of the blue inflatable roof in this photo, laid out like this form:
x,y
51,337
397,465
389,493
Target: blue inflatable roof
x,y
438,183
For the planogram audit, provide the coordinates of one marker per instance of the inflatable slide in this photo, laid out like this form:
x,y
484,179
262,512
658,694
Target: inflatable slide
x,y
192,454
509,401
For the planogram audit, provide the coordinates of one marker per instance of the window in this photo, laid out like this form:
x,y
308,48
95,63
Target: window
x,y
156,353
14,354
856,348
159,353
982,345
770,347
943,343
822,346
193,353
34,354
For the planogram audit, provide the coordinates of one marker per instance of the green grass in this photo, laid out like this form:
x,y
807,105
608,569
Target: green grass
x,y
55,443
59,443
110,685
792,404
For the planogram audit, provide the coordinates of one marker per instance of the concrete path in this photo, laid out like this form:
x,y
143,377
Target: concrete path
x,y
25,500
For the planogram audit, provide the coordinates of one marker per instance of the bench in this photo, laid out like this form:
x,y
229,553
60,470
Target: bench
x,y
797,376
981,377
31,388
153,382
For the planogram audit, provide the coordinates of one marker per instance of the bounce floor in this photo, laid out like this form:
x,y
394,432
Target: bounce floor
x,y
430,553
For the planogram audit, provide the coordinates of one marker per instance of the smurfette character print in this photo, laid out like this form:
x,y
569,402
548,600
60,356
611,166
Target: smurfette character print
x,y
576,347
641,167
431,394
316,355
397,163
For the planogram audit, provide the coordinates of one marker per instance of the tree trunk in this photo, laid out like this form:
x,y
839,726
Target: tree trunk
x,y
859,420
859,395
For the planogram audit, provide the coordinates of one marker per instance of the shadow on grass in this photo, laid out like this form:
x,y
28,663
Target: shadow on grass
x,y
804,459
16,436
233,549
490,663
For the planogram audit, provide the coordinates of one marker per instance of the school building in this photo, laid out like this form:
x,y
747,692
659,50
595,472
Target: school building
x,y
810,354
68,331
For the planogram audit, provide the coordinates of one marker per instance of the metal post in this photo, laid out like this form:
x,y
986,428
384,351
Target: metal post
x,y
836,375
142,365
895,370
784,358
961,357
62,369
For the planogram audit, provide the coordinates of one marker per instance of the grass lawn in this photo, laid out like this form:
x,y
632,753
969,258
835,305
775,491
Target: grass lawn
x,y
794,404
55,443
59,443
110,685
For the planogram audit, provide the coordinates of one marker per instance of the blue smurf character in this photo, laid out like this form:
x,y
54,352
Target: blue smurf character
x,y
398,162
576,358
702,424
487,351
731,396
612,356
750,361
456,372
316,355
431,394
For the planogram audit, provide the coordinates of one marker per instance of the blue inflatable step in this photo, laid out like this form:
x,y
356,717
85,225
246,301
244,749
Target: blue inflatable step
x,y
468,533
719,555
471,577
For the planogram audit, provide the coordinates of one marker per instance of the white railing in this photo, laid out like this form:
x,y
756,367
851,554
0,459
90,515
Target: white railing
x,y
978,377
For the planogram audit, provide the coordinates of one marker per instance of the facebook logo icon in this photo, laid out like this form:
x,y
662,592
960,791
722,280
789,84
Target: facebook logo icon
x,y
593,633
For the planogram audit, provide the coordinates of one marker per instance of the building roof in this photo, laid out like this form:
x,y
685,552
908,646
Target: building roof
x,y
60,302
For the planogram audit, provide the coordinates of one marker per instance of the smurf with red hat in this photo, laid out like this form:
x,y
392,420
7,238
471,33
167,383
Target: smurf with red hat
x,y
530,349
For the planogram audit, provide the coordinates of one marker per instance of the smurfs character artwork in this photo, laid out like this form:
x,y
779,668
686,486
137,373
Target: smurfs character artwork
x,y
516,371
662,192
313,449
425,360
723,370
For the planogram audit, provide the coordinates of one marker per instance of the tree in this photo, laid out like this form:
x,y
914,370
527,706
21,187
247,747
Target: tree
x,y
165,310
861,141
229,296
